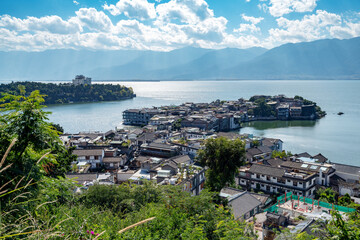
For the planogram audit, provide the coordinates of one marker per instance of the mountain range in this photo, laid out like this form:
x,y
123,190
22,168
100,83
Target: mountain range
x,y
322,59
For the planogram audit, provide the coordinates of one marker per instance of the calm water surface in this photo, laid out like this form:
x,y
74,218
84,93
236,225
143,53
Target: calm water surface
x,y
337,137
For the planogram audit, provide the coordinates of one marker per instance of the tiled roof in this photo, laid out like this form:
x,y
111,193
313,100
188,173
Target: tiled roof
x,y
304,154
320,158
347,168
274,162
243,204
88,152
267,170
181,159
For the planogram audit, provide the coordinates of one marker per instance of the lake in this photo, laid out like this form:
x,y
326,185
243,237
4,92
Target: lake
x,y
336,137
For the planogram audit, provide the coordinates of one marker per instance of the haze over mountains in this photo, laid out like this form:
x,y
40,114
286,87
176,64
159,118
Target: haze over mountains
x,y
322,59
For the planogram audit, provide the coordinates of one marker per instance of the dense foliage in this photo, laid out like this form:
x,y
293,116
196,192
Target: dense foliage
x,y
36,149
262,109
282,154
223,157
68,93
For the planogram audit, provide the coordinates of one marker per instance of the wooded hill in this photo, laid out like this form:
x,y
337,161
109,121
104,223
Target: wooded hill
x,y
68,93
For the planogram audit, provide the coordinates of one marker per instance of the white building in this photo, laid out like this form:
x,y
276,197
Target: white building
x,y
81,80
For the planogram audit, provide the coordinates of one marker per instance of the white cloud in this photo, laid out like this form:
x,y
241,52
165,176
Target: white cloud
x,y
170,24
76,2
140,9
94,20
253,20
350,30
186,11
278,8
53,24
245,27
309,28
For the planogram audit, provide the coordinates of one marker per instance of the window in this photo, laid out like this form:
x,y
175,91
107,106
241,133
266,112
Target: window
x,y
96,157
87,157
268,188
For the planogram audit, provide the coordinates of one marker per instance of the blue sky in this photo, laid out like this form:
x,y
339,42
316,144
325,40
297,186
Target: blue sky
x,y
164,25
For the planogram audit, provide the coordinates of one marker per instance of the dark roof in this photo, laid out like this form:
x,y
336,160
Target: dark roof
x,y
270,141
274,162
147,136
264,149
170,164
320,158
88,152
242,204
347,168
181,159
254,151
306,166
267,170
133,110
304,154
109,133
160,146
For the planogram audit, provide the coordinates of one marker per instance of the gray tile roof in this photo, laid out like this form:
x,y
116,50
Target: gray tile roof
x,y
181,159
88,152
267,170
162,146
243,203
304,154
347,168
264,149
320,158
253,151
274,162
306,166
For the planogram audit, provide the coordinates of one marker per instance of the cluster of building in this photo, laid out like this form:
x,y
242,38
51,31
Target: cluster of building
x,y
81,80
164,151
136,155
219,115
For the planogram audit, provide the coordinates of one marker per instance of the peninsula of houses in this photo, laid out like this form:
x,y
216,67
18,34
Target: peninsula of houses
x,y
272,190
224,115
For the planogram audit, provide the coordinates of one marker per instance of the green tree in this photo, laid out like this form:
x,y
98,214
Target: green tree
x,y
38,150
223,157
326,195
345,200
262,108
278,154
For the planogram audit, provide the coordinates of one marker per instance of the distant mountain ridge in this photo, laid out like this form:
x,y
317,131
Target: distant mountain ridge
x,y
322,59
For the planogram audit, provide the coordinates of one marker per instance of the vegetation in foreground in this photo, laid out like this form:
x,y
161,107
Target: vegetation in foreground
x,y
37,202
68,93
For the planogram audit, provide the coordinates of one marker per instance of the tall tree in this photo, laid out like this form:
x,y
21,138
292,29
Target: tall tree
x,y
223,157
38,150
